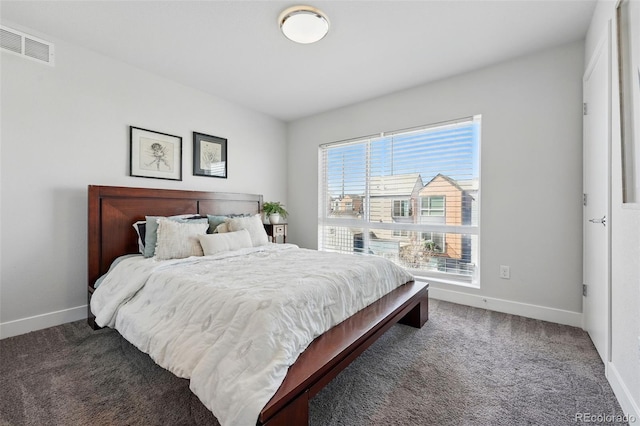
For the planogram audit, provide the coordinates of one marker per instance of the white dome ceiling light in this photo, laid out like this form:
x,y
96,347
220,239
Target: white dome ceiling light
x,y
303,24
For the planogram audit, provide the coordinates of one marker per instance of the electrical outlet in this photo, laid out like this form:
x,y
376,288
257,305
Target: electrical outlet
x,y
505,272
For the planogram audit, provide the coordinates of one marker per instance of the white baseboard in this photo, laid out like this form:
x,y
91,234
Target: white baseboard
x,y
543,313
38,322
625,398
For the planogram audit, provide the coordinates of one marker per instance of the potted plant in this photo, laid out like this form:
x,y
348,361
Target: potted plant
x,y
274,210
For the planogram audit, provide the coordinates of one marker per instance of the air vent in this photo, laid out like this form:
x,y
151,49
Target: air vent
x,y
27,46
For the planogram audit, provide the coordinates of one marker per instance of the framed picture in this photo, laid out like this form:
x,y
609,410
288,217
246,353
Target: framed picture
x,y
155,155
209,155
628,19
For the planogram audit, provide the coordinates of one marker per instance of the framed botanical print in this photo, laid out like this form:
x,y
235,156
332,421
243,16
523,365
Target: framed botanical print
x,y
155,155
209,155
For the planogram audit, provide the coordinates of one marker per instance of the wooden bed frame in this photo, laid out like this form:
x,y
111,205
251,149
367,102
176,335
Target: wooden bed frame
x,y
113,210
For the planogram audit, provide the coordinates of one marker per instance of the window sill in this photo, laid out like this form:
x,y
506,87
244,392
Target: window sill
x,y
447,280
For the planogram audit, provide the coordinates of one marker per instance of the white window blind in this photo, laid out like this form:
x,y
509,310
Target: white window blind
x,y
411,196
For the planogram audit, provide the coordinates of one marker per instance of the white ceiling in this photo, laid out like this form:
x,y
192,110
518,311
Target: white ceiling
x,y
234,49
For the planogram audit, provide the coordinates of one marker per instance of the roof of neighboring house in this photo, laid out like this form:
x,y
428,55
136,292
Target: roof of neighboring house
x,y
396,185
448,179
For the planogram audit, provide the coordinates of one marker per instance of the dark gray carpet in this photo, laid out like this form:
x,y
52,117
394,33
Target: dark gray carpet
x,y
466,366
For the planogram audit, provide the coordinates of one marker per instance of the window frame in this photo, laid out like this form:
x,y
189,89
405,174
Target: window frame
x,y
430,209
469,233
407,208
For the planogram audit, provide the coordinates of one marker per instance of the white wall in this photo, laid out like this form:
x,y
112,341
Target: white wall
x,y
66,127
624,368
531,174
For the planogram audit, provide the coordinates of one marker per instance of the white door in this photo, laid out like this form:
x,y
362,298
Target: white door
x,y
596,312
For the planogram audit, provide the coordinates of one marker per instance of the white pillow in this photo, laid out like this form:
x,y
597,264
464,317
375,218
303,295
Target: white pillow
x,y
221,229
229,241
177,240
254,225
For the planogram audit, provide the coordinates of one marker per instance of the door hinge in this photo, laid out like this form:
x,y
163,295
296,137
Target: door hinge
x,y
584,199
584,290
584,108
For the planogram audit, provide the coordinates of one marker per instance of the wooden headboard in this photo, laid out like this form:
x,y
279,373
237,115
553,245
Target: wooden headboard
x,y
113,210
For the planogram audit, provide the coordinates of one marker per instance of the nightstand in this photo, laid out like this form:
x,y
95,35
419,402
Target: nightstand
x,y
275,231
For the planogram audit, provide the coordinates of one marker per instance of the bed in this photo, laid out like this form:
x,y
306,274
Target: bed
x,y
112,211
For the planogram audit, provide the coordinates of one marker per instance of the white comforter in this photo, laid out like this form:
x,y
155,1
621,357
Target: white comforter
x,y
234,323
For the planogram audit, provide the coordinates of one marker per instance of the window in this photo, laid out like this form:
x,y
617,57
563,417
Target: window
x,y
417,195
432,206
401,208
434,241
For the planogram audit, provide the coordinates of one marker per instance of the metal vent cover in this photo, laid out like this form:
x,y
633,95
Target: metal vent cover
x,y
25,45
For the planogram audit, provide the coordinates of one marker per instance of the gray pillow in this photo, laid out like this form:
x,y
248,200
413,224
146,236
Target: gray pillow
x,y
214,221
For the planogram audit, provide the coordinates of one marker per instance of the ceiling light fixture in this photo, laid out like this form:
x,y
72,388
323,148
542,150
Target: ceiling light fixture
x,y
303,24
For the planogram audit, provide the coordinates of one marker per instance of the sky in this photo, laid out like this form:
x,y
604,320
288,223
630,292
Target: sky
x,y
449,149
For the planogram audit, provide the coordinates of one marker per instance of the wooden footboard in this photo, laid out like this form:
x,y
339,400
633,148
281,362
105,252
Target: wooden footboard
x,y
332,352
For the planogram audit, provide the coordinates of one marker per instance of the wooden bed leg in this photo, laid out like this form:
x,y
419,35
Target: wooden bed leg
x,y
417,316
92,323
296,413
91,319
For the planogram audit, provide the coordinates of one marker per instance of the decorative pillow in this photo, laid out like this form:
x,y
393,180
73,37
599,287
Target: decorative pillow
x,y
140,227
229,241
150,238
217,220
254,225
221,229
214,221
177,240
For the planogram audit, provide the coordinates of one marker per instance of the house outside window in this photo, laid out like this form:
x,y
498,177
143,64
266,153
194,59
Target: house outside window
x,y
418,199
